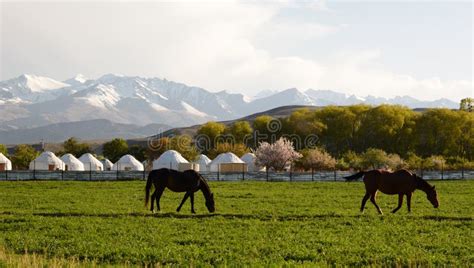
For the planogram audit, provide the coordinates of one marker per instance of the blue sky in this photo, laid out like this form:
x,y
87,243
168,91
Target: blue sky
x,y
422,49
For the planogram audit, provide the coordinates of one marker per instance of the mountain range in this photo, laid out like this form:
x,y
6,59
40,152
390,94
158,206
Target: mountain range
x,y
31,101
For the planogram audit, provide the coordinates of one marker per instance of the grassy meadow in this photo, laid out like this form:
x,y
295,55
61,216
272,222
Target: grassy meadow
x,y
46,223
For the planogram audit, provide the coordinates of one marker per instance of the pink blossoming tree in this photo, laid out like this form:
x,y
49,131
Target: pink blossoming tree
x,y
277,155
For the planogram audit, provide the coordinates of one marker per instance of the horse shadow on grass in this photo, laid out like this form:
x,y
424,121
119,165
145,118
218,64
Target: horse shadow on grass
x,y
230,216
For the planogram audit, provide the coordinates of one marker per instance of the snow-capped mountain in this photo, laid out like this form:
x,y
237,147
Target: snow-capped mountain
x,y
30,88
33,101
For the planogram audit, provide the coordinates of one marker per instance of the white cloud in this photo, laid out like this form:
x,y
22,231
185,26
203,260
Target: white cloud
x,y
360,73
208,44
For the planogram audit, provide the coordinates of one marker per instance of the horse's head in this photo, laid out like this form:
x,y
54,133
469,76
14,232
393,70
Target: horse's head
x,y
432,197
210,203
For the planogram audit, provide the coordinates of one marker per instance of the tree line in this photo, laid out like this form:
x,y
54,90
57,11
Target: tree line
x,y
357,136
360,136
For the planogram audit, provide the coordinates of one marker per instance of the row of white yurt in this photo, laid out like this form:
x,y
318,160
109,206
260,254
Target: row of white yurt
x,y
205,164
107,164
249,159
72,163
5,163
47,161
203,161
91,163
170,159
225,159
128,163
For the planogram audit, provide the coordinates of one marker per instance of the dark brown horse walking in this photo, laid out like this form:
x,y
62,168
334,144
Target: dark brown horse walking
x,y
188,181
400,182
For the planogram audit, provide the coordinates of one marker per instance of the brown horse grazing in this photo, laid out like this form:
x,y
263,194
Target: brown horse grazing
x,y
188,181
400,182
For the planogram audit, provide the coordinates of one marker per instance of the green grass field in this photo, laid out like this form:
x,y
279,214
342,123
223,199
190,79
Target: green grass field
x,y
256,223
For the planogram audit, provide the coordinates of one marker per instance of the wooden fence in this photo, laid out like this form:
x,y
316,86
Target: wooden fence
x,y
21,175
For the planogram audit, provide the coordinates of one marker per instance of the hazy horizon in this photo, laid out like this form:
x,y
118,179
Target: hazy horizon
x,y
383,49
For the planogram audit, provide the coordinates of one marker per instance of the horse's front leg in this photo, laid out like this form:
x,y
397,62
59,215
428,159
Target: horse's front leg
x,y
364,200
186,195
192,203
372,199
400,202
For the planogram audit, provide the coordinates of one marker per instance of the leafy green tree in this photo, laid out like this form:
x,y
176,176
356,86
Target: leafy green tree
x,y
262,126
74,147
413,161
440,132
23,155
157,147
359,112
303,123
352,160
395,162
466,104
209,134
338,134
184,145
387,127
317,159
456,162
115,149
139,152
241,131
436,162
466,139
374,158
3,149
238,149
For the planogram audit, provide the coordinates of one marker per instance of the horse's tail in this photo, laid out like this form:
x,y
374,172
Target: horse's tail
x,y
149,183
355,176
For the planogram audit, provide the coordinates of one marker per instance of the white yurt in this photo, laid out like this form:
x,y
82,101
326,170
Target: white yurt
x,y
227,162
249,159
107,164
90,162
47,161
72,163
5,163
128,162
203,161
169,159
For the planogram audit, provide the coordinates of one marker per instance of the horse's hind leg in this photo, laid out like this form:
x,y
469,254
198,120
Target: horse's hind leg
x,y
192,203
372,199
186,195
400,202
159,193
409,201
153,196
364,200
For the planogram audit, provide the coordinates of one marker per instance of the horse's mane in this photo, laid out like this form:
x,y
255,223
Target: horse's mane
x,y
204,180
421,183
